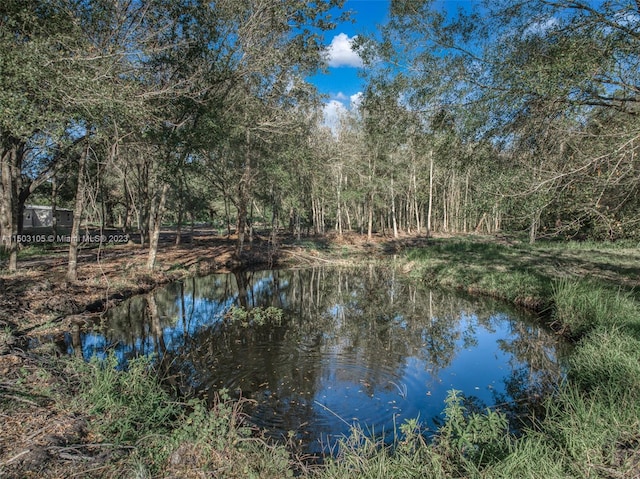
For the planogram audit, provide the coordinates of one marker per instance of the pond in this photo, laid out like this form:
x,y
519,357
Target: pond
x,y
364,346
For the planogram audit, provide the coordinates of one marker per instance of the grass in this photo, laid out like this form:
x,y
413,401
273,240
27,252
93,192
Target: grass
x,y
483,268
582,305
590,427
153,435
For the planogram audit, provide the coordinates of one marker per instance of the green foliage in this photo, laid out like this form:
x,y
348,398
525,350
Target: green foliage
x,y
608,358
591,433
474,438
256,316
209,435
130,408
216,427
483,267
464,446
363,456
582,305
127,405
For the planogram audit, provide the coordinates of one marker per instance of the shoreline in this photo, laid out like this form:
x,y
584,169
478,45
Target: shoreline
x,y
37,390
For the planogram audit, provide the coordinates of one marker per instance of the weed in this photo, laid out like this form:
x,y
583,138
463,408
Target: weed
x,y
607,358
128,405
257,316
472,438
581,305
465,445
131,410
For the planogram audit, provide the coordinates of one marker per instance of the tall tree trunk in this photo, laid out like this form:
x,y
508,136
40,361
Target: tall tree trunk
x,y
371,163
533,228
227,215
370,218
445,217
72,267
129,205
314,220
465,224
10,220
250,222
393,211
144,200
416,206
192,227
243,200
430,207
155,220
339,226
54,205
482,220
179,223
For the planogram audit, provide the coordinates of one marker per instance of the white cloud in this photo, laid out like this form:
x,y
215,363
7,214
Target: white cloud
x,y
541,27
333,111
356,100
340,53
341,96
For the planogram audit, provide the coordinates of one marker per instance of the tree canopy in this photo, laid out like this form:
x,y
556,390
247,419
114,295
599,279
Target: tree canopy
x,y
502,116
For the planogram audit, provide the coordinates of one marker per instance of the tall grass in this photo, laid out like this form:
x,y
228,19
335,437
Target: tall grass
x,y
582,305
467,444
609,359
127,405
156,436
590,245
482,268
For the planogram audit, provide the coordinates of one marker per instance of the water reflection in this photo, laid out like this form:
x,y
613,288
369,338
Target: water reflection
x,y
355,346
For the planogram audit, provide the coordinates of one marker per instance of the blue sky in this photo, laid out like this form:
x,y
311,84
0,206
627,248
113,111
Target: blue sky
x,y
342,79
341,84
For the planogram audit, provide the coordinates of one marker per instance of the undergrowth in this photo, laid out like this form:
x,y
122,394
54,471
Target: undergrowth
x,y
256,316
156,436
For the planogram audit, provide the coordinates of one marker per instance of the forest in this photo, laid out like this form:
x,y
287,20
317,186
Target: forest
x,y
508,116
493,153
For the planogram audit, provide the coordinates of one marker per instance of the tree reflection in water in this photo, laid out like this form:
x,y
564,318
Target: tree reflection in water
x,y
356,345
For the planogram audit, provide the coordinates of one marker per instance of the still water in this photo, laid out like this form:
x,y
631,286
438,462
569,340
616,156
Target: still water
x,y
364,347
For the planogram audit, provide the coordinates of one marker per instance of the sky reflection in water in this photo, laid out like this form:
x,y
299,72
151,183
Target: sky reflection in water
x,y
363,346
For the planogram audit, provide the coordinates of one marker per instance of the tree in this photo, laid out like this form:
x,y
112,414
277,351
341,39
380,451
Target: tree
x,y
274,43
533,84
40,84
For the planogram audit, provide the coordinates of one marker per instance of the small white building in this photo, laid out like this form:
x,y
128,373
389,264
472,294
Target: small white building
x,y
36,216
